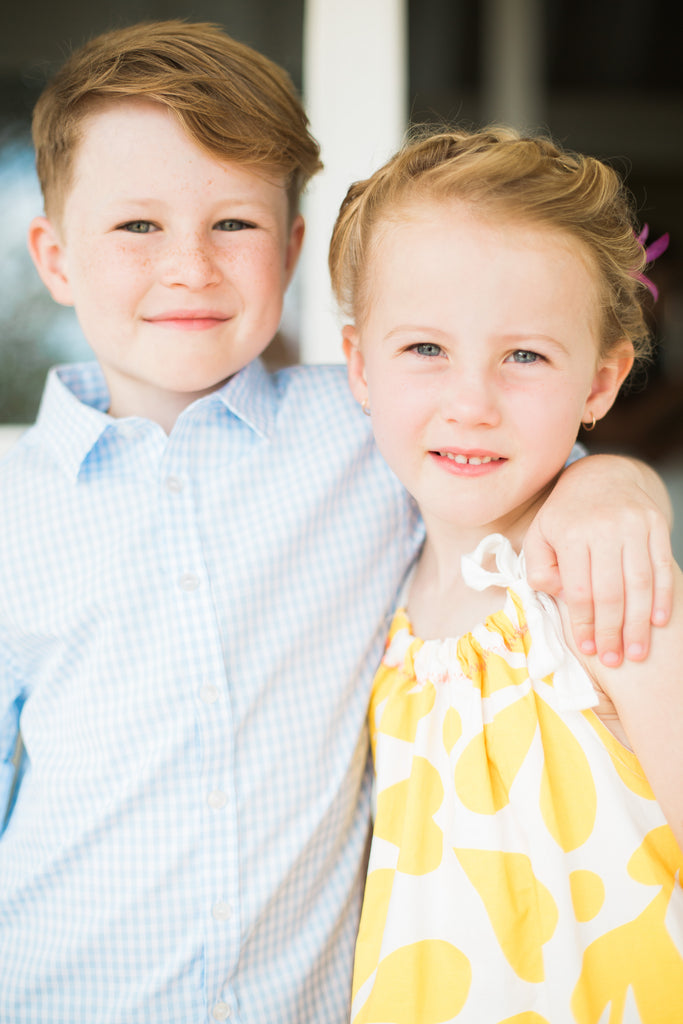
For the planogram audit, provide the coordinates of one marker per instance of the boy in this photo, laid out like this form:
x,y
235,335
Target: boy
x,y
197,562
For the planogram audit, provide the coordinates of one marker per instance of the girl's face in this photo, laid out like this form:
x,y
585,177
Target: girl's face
x,y
478,357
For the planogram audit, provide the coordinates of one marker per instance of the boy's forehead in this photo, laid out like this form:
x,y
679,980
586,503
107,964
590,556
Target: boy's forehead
x,y
137,141
143,123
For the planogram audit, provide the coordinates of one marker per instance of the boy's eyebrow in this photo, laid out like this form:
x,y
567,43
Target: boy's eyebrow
x,y
223,208
158,201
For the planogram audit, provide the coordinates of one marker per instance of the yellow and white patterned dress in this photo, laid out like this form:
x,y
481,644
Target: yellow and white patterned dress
x,y
521,870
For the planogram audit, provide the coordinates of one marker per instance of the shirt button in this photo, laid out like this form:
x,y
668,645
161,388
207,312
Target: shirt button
x,y
174,484
209,693
217,799
188,581
221,1011
221,911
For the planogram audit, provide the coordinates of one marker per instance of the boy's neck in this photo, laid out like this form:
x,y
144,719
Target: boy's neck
x,y
161,408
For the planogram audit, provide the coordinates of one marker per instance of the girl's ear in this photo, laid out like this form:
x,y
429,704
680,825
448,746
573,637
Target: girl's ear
x,y
612,371
355,363
48,254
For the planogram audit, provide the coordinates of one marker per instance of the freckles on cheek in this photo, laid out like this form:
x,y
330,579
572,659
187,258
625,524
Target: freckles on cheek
x,y
105,277
264,257
119,267
128,258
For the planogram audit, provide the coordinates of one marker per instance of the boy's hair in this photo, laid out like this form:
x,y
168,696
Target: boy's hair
x,y
519,178
233,101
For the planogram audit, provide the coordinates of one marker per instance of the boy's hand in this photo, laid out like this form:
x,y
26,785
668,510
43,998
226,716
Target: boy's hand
x,y
602,539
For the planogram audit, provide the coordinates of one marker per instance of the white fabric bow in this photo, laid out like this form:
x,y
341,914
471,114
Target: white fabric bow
x,y
549,652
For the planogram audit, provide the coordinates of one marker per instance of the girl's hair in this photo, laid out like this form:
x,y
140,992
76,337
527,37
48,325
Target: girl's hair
x,y
508,176
233,101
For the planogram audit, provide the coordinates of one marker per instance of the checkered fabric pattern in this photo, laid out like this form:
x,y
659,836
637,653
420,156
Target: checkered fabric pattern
x,y
188,630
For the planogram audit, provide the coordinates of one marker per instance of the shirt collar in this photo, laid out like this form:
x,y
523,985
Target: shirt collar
x,y
72,418
251,395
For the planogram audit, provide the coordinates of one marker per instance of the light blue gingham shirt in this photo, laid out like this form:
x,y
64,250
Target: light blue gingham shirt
x,y
188,631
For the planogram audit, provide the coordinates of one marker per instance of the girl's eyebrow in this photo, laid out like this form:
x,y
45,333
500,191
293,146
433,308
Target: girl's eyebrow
x,y
526,337
511,338
401,329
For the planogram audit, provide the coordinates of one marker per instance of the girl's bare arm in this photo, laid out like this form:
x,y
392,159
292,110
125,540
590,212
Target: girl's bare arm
x,y
647,697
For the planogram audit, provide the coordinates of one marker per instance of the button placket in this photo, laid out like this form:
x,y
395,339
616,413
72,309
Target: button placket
x,y
217,799
221,1011
188,577
209,693
221,911
174,484
189,581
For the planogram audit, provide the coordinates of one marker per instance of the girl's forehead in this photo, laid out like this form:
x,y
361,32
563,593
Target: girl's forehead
x,y
450,245
483,222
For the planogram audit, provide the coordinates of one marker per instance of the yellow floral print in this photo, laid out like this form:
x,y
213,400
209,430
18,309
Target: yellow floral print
x,y
521,871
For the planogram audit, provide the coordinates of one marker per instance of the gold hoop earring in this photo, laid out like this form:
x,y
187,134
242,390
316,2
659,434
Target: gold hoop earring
x,y
590,426
365,406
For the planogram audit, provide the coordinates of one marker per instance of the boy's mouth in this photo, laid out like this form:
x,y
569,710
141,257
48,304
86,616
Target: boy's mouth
x,y
189,319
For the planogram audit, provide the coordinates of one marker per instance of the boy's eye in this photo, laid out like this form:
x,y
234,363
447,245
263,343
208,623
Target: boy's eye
x,y
233,225
138,227
522,355
426,348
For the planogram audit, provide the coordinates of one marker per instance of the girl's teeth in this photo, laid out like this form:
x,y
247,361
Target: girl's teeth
x,y
474,460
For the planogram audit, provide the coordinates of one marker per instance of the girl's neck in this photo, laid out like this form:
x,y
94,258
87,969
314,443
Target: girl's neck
x,y
440,604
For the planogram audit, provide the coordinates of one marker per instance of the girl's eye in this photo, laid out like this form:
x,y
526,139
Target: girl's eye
x,y
426,348
233,225
522,355
138,227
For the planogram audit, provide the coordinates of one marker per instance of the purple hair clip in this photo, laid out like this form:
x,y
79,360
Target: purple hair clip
x,y
652,251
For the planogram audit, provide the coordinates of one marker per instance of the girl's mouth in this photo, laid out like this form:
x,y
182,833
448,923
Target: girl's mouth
x,y
470,460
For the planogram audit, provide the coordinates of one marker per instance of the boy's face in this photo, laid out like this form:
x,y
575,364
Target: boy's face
x,y
176,262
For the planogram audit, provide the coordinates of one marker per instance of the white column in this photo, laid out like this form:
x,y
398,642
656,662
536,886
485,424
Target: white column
x,y
512,63
355,69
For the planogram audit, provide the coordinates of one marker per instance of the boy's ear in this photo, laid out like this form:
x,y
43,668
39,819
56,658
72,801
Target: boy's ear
x,y
296,239
355,363
47,252
611,373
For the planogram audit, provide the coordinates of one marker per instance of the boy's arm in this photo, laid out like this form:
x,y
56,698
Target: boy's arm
x,y
648,697
602,541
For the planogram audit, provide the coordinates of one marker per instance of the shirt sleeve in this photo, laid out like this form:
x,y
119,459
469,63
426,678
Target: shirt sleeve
x,y
577,452
10,708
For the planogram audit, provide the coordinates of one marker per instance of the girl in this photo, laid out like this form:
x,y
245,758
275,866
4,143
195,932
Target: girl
x,y
529,815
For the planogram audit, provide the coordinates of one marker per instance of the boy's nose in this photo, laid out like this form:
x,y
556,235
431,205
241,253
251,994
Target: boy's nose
x,y
190,264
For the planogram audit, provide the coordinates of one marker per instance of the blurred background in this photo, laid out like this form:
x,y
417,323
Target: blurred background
x,y
602,76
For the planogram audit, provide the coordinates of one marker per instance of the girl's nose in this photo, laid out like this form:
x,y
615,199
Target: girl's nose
x,y
469,397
